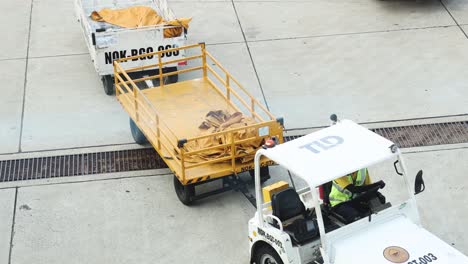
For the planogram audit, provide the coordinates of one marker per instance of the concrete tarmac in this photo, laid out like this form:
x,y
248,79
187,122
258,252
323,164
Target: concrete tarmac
x,y
366,60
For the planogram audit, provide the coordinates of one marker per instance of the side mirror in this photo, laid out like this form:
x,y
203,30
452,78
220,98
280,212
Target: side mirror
x,y
419,185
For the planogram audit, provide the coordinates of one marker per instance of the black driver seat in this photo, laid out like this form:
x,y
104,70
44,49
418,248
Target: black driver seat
x,y
288,207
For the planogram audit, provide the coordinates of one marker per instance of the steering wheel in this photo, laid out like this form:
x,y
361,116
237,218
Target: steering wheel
x,y
367,195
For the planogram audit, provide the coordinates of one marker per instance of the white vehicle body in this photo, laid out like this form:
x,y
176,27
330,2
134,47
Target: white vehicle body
x,y
321,157
107,42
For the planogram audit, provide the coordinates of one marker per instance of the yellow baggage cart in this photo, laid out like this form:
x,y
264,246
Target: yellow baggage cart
x,y
168,116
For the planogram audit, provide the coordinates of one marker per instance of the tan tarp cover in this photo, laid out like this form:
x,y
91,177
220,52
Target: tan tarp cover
x,y
139,16
216,121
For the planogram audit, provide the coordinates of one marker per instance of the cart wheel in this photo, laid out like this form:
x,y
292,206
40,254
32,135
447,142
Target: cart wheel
x,y
138,136
185,193
264,174
172,78
108,83
266,255
168,79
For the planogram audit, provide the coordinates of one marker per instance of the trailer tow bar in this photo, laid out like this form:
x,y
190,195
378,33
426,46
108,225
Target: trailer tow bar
x,y
238,185
230,183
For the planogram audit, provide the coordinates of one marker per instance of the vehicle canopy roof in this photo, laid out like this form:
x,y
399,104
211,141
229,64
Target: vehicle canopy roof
x,y
332,152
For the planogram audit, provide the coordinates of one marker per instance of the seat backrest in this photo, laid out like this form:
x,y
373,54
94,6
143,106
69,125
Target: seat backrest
x,y
326,192
287,204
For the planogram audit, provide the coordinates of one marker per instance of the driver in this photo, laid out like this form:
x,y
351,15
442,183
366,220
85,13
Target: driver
x,y
346,188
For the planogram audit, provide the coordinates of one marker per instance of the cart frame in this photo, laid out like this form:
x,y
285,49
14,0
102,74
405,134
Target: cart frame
x,y
166,143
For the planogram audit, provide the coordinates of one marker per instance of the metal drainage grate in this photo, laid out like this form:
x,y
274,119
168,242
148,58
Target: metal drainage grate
x,y
426,135
422,135
80,164
146,159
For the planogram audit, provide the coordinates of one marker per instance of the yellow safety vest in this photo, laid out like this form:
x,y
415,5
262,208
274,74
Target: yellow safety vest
x,y
339,195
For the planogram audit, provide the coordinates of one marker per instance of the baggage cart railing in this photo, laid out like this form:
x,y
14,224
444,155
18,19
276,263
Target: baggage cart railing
x,y
144,113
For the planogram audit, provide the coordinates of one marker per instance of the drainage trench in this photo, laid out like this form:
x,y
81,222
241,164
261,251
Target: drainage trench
x,y
148,159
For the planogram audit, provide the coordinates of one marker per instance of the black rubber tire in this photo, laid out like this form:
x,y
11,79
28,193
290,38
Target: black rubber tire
x,y
108,83
168,79
185,193
138,136
172,78
264,250
264,174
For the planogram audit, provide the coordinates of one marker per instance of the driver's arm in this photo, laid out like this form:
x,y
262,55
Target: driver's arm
x,y
347,185
365,188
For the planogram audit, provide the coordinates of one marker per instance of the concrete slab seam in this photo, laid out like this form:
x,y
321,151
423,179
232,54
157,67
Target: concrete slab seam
x,y
13,226
58,149
253,41
455,20
435,150
57,56
352,33
25,77
224,43
93,180
250,55
82,54
385,121
12,59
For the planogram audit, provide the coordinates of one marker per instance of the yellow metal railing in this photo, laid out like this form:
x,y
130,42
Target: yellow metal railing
x,y
146,116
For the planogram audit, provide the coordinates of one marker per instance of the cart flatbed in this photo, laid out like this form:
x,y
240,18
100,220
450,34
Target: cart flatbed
x,y
191,100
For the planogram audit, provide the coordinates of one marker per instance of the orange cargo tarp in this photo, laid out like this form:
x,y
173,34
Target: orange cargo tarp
x,y
216,121
140,16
